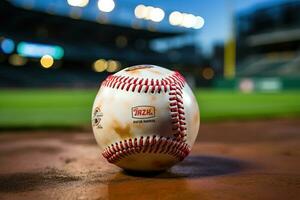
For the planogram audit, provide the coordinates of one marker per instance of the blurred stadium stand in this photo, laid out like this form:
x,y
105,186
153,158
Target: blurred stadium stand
x,y
38,77
276,65
268,41
83,41
267,45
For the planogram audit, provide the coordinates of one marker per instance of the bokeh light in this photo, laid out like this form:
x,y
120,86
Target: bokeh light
x,y
157,15
186,20
140,11
106,5
149,13
17,60
208,73
199,22
100,65
175,18
78,3
246,85
47,61
113,66
7,45
121,41
37,50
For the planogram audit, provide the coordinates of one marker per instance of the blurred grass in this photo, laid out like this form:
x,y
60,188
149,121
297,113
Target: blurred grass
x,y
72,108
38,108
221,105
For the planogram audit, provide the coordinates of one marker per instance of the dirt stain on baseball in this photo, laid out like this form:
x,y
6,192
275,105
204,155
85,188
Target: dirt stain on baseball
x,y
134,71
122,131
153,99
196,118
154,71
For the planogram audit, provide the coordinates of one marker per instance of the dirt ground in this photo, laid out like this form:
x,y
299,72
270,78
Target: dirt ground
x,y
230,160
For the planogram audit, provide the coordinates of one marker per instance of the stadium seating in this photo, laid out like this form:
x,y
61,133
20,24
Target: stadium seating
x,y
30,76
270,66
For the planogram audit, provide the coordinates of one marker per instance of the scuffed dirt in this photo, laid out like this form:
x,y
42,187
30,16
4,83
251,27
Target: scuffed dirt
x,y
230,160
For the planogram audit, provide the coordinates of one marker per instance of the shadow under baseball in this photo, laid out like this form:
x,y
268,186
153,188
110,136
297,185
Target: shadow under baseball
x,y
196,167
137,185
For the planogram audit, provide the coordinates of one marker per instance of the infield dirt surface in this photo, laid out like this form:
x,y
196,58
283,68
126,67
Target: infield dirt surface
x,y
230,160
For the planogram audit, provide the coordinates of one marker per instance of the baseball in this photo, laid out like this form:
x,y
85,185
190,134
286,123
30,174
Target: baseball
x,y
145,118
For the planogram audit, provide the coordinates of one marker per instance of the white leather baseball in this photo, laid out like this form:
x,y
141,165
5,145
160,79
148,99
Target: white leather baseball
x,y
145,118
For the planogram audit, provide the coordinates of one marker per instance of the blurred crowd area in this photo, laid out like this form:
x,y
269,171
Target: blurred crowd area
x,y
77,43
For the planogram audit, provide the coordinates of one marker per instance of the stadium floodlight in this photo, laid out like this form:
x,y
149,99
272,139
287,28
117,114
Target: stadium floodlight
x,y
7,45
149,13
140,11
176,18
113,66
157,14
106,5
35,50
78,3
47,61
100,65
186,20
199,22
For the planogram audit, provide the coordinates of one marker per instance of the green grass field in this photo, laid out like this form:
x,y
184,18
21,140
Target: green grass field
x,y
72,108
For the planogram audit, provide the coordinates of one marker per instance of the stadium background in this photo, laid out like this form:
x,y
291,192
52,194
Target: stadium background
x,y
254,72
242,59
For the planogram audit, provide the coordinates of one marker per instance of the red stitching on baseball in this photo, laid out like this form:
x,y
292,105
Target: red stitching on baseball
x,y
115,152
143,85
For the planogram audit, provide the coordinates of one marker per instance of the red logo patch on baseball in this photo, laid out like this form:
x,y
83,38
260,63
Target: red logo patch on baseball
x,y
143,112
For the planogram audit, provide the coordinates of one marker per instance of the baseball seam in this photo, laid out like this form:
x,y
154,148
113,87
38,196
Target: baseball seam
x,y
150,144
173,84
177,112
145,85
